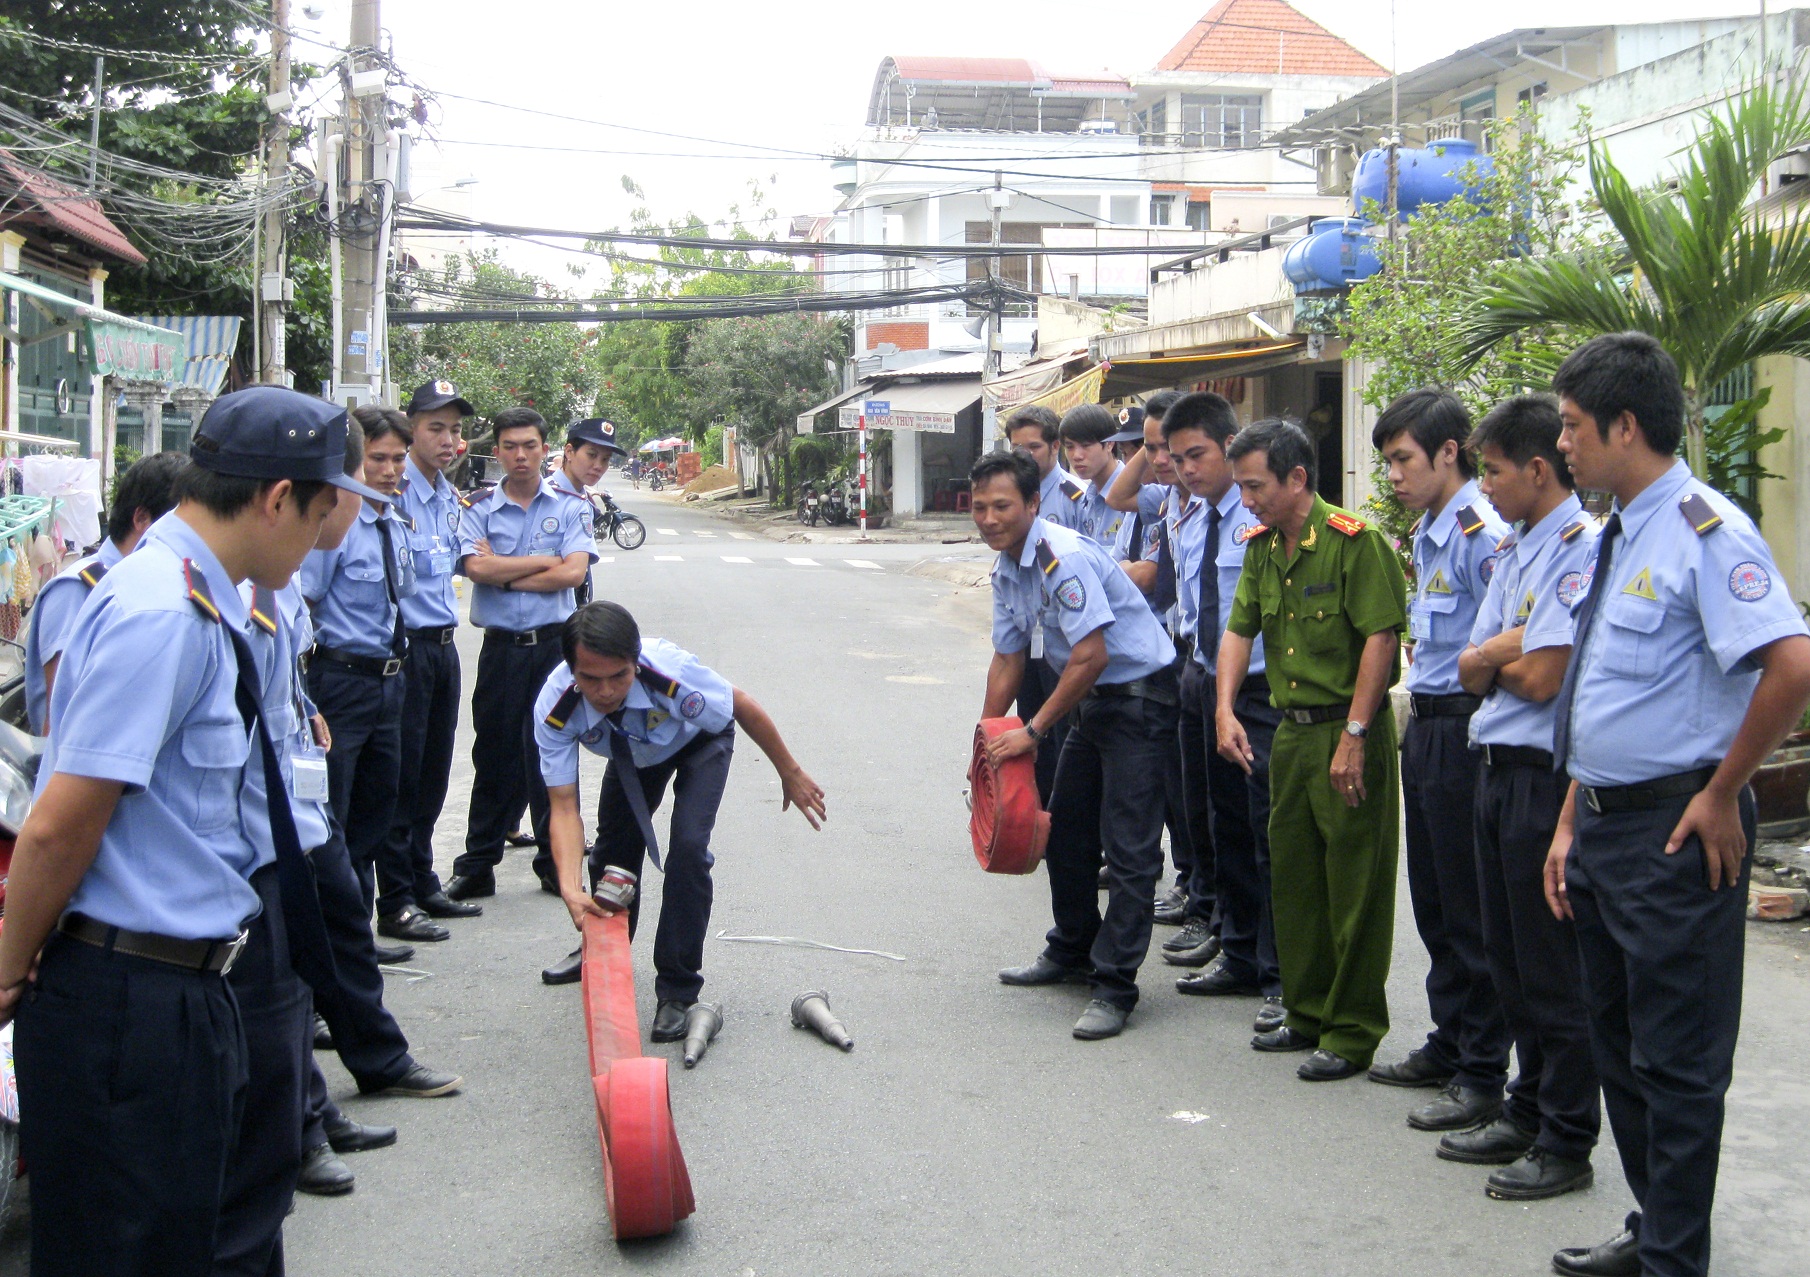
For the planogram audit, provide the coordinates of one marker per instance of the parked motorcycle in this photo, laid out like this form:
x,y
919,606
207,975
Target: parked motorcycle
x,y
612,522
656,479
835,507
808,502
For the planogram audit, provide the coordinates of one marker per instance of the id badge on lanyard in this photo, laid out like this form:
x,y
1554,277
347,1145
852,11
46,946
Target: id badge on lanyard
x,y
308,773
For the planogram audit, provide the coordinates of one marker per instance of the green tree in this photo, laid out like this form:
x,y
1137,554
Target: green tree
x,y
1692,263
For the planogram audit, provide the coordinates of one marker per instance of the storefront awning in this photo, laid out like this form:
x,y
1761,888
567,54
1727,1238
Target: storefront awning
x,y
1134,376
211,341
807,420
116,346
929,405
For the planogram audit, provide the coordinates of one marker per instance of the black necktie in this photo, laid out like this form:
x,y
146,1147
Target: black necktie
x,y
397,641
1599,581
622,761
309,950
1206,635
1162,594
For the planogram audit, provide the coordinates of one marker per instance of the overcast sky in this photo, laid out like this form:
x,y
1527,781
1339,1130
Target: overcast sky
x,y
793,75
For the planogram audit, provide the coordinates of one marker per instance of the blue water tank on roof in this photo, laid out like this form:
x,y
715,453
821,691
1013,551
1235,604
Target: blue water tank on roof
x,y
1429,175
1335,253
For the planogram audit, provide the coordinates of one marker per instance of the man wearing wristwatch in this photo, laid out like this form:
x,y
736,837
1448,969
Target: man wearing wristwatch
x,y
1325,591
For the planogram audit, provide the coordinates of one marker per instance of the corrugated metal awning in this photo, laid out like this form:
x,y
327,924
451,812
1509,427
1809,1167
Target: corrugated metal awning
x,y
212,339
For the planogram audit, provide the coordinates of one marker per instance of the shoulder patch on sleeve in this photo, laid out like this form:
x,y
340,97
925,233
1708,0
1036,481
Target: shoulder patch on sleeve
x,y
654,681
1349,524
1469,521
1072,490
1507,541
561,713
1570,531
1699,514
1046,557
470,499
198,592
264,609
91,575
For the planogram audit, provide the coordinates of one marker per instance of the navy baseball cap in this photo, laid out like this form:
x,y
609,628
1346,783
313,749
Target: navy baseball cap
x,y
595,430
1131,426
437,394
271,432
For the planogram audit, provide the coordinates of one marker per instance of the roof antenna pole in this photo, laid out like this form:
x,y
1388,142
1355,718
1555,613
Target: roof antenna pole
x,y
94,122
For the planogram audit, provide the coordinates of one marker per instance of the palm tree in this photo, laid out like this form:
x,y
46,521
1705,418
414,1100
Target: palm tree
x,y
1696,268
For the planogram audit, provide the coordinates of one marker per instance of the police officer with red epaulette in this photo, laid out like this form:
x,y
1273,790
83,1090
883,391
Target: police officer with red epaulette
x,y
660,716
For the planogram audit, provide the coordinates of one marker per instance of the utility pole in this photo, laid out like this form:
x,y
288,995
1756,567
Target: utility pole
x,y
996,200
363,206
94,120
273,268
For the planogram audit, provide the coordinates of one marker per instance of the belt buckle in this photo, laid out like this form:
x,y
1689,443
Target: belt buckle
x,y
448,634
528,638
233,948
392,666
1588,792
1488,758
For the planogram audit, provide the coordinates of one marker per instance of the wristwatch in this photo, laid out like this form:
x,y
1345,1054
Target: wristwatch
x,y
1030,730
1355,728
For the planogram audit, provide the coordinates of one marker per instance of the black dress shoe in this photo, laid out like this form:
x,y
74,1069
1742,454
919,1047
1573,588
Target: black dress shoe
x,y
568,970
347,1136
323,1174
548,884
1171,907
1457,1108
1102,1019
1043,970
1283,1039
323,1036
1194,945
1497,1144
390,955
1217,983
411,924
1537,1176
519,839
669,1021
1273,1015
1419,1069
1617,1257
424,1083
1324,1066
470,886
440,905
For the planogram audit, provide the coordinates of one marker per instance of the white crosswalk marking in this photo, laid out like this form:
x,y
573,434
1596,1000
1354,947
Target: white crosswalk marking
x,y
606,558
669,558
742,536
667,532
736,558
703,533
862,563
803,563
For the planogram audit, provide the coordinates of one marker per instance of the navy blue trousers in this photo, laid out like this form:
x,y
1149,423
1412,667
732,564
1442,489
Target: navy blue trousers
x,y
1439,798
364,713
1109,794
1663,961
430,719
365,1034
697,774
1533,960
505,761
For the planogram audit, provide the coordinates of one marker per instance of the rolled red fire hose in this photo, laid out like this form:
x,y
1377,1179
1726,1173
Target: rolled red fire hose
x,y
1008,823
646,1187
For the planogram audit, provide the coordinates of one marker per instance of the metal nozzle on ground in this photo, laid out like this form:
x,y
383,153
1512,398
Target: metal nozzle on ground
x,y
702,1020
812,1011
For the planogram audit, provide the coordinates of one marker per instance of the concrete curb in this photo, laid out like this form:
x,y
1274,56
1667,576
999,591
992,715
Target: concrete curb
x,y
969,573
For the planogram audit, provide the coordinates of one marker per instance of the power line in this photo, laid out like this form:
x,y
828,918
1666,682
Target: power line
x,y
720,307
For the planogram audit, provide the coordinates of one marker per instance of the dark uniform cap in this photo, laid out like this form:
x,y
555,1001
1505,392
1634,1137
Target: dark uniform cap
x,y
270,432
437,394
1131,426
595,430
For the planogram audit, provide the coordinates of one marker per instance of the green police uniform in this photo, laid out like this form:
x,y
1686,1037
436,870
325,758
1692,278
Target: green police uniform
x,y
1332,866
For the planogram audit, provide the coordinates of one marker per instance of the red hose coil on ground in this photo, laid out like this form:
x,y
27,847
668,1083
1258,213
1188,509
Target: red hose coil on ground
x,y
1008,823
646,1187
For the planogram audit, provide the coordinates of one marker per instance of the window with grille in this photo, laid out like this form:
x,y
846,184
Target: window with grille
x,y
1222,121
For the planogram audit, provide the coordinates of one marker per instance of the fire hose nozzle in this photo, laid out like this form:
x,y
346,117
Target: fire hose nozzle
x,y
812,1011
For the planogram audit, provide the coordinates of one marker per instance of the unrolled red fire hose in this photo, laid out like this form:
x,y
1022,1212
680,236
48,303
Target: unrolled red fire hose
x,y
645,1184
1008,823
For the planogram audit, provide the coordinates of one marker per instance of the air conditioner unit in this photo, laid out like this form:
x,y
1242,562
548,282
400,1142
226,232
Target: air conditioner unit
x,y
1279,219
1333,169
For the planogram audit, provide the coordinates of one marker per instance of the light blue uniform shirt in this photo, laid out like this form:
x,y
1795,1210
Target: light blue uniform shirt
x,y
688,699
52,618
1539,575
433,543
1237,526
553,523
287,712
1072,591
1095,518
1663,678
1454,558
346,588
144,696
1059,498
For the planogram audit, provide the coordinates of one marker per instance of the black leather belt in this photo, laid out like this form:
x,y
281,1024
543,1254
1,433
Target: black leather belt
x,y
382,666
527,638
192,955
1517,756
1158,687
1257,684
438,635
1457,705
1608,798
1317,714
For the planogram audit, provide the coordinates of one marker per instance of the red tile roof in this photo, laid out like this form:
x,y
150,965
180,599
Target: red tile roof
x,y
1268,37
49,203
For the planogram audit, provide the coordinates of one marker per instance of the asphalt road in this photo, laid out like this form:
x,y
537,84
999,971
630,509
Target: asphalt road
x,y
968,1132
